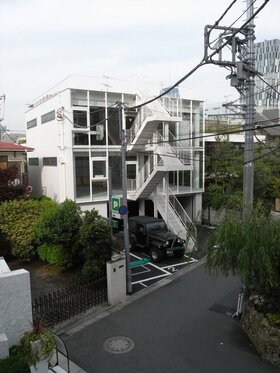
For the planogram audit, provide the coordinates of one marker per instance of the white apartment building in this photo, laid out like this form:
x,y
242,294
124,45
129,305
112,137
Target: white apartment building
x,y
76,138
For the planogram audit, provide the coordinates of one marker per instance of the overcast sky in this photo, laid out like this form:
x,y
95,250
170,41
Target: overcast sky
x,y
136,43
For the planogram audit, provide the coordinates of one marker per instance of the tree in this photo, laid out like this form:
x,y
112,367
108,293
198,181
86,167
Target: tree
x,y
17,219
95,242
58,230
10,190
250,249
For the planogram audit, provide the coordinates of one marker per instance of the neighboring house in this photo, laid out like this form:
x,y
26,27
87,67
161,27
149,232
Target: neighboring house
x,y
13,156
75,133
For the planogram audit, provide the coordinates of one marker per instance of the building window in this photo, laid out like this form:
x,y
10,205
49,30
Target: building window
x,y
3,162
80,138
48,117
33,161
50,161
99,189
32,123
115,164
113,127
80,118
82,176
98,169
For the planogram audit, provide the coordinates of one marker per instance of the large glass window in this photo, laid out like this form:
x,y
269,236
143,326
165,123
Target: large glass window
x,y
82,176
97,126
98,169
115,164
173,180
131,176
113,127
80,138
99,189
80,118
184,181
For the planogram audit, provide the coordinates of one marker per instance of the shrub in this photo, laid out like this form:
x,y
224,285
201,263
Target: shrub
x,y
17,219
60,225
14,363
47,343
55,254
95,242
273,319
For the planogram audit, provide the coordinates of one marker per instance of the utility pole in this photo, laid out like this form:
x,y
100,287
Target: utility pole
x,y
248,172
242,65
124,201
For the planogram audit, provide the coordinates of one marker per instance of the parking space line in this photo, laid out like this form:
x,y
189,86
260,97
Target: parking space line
x,y
152,264
140,273
145,286
151,278
178,264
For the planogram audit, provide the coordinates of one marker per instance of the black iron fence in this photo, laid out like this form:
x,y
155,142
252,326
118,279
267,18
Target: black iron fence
x,y
63,304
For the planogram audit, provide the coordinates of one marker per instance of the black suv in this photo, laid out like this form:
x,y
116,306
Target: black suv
x,y
152,234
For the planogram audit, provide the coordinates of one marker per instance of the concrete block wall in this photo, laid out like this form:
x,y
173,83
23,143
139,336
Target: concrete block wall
x,y
15,304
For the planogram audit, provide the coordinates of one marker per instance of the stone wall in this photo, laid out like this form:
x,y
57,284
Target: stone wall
x,y
265,338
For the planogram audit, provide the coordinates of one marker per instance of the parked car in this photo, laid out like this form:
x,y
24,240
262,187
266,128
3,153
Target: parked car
x,y
152,235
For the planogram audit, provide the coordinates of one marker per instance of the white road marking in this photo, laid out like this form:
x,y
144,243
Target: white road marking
x,y
153,265
151,278
145,286
179,264
139,273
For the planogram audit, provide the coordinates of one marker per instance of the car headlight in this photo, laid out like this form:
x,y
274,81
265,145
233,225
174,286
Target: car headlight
x,y
179,240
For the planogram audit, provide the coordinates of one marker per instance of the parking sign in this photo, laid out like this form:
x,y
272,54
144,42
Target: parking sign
x,y
116,202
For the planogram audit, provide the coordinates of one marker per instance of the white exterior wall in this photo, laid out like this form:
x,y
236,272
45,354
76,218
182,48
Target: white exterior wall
x,y
51,139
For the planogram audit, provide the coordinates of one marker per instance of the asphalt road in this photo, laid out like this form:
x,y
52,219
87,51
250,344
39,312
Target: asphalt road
x,y
184,326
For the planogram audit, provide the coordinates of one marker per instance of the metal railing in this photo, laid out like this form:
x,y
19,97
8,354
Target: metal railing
x,y
180,150
182,214
61,305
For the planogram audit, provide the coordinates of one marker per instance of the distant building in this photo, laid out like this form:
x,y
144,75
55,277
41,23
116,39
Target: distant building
x,y
76,137
14,156
267,57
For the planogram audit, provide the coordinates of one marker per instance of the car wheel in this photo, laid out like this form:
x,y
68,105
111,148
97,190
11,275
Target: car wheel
x,y
179,253
156,255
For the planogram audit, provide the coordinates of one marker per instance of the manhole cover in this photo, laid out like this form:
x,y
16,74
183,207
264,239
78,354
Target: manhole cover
x,y
118,345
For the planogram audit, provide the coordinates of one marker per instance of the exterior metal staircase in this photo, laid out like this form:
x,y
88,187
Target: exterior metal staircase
x,y
146,123
177,218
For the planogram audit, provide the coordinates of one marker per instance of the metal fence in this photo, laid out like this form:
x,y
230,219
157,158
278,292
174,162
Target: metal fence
x,y
61,305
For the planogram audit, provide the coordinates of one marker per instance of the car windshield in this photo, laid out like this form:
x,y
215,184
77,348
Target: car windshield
x,y
157,226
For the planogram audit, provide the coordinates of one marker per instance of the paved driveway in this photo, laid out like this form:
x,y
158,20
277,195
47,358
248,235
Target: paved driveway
x,y
184,326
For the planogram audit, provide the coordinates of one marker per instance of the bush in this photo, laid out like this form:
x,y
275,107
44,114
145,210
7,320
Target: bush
x,y
95,242
60,226
17,219
55,254
273,319
14,363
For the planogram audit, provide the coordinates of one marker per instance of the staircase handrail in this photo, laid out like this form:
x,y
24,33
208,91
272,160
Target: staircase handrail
x,y
182,214
150,165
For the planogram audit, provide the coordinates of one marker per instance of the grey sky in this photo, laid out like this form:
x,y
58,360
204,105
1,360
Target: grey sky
x,y
137,43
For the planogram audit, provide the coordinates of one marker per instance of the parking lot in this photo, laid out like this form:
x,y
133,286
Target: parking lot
x,y
144,275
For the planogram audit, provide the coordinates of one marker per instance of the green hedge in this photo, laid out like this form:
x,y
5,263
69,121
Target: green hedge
x,y
55,254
